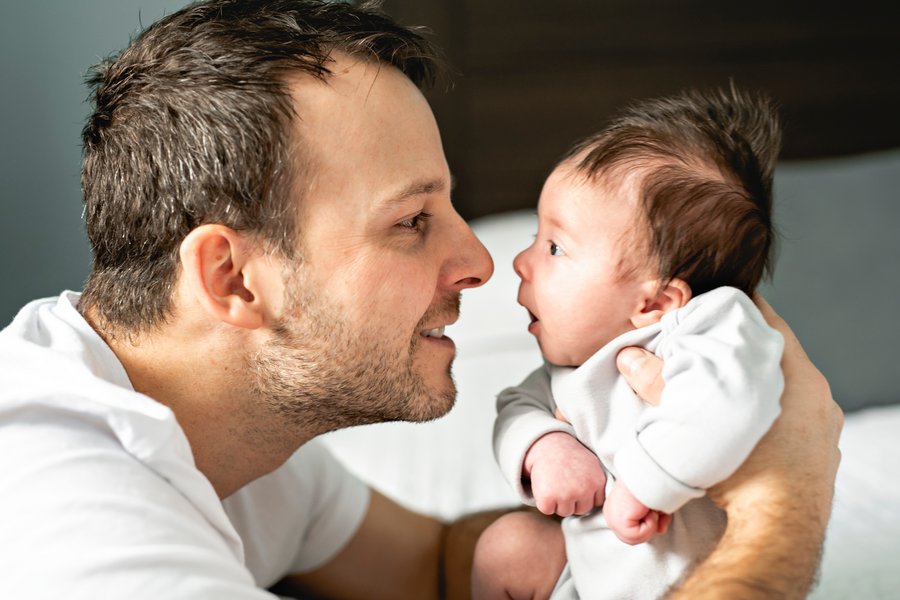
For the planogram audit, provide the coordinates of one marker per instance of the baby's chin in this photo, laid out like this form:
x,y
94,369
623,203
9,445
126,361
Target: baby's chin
x,y
561,359
565,355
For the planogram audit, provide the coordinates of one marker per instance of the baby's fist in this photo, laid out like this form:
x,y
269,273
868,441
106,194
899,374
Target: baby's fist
x,y
630,520
566,478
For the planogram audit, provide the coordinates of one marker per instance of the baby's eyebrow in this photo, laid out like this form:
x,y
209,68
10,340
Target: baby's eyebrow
x,y
555,222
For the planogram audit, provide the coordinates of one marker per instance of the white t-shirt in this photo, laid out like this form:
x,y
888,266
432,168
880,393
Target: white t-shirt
x,y
100,497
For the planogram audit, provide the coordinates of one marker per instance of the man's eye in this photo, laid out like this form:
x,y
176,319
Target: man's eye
x,y
556,250
415,222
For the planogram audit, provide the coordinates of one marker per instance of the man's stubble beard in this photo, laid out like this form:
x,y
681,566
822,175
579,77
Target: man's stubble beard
x,y
316,374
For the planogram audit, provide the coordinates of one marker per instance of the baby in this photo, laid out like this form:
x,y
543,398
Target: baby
x,y
654,232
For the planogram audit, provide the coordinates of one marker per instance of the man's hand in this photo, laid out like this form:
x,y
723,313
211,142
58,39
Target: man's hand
x,y
631,520
566,478
802,445
779,501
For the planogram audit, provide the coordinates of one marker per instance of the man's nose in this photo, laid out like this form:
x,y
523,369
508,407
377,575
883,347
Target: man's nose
x,y
475,265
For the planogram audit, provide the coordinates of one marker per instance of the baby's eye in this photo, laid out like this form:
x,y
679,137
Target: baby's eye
x,y
556,250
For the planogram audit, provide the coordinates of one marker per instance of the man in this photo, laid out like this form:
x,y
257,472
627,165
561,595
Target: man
x,y
275,256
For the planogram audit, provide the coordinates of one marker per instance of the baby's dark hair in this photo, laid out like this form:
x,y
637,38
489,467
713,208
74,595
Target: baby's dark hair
x,y
705,162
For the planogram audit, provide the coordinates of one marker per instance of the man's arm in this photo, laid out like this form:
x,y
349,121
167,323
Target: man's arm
x,y
398,554
394,554
778,503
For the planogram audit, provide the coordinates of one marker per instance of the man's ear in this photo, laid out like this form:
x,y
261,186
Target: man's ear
x,y
660,300
227,275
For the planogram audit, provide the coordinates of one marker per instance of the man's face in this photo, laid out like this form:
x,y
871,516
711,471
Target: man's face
x,y
578,283
384,257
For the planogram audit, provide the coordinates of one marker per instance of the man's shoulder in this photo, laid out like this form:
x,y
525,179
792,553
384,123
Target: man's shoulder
x,y
90,502
57,369
50,335
81,516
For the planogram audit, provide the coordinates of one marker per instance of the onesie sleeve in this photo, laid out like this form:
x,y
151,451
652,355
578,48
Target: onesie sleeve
x,y
723,385
524,414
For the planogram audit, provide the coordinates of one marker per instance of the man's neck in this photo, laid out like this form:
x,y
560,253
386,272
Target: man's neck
x,y
200,374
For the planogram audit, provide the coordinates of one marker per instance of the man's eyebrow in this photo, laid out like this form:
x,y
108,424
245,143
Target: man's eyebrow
x,y
425,186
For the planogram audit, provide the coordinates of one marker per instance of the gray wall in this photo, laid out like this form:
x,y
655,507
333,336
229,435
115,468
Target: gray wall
x,y
46,46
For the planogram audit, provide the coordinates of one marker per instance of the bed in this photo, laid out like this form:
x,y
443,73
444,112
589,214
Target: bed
x,y
836,282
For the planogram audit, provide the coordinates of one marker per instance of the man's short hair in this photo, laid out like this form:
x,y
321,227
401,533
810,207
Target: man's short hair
x,y
191,125
705,162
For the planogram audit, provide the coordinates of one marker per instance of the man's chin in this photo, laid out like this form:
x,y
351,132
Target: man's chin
x,y
434,403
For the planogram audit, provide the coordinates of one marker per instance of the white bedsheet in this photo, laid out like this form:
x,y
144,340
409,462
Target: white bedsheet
x,y
862,550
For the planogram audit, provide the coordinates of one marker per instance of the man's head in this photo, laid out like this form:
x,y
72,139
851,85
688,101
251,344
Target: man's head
x,y
385,257
671,200
269,176
192,125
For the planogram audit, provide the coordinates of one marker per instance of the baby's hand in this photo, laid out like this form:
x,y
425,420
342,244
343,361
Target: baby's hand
x,y
566,477
631,521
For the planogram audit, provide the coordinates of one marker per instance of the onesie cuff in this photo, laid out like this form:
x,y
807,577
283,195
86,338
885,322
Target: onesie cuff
x,y
649,482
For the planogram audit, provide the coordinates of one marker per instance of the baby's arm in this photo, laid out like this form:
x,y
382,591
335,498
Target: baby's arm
x,y
629,519
539,455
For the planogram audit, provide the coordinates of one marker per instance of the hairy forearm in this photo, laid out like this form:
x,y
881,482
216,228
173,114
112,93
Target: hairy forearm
x,y
779,502
770,549
394,555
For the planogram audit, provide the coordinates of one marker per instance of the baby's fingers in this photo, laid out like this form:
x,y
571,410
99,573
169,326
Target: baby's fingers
x,y
665,520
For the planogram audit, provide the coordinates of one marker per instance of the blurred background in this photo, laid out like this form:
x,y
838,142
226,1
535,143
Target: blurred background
x,y
533,76
536,75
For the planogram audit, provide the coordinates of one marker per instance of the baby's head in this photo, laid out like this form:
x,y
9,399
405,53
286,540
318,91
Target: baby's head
x,y
671,200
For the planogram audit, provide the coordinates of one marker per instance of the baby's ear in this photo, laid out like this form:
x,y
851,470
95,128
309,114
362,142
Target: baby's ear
x,y
659,300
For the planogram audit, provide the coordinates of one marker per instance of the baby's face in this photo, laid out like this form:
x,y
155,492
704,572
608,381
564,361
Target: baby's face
x,y
577,283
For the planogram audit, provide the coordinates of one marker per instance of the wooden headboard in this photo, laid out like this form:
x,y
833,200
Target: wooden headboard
x,y
537,75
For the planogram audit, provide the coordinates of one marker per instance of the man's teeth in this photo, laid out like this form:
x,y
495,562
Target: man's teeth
x,y
436,332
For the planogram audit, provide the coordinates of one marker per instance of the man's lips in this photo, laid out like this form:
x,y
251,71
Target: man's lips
x,y
437,332
441,314
435,329
434,336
